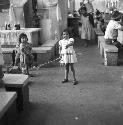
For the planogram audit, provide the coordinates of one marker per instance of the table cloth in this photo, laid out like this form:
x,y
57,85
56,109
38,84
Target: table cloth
x,y
10,37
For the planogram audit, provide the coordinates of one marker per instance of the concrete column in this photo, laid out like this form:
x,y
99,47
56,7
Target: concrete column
x,y
17,12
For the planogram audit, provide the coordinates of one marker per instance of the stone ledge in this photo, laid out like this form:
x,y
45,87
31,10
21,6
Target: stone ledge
x,y
109,52
111,48
107,48
44,52
34,50
6,100
46,47
98,32
15,80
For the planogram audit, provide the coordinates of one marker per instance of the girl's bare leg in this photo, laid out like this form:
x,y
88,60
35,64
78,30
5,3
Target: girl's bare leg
x,y
73,71
66,71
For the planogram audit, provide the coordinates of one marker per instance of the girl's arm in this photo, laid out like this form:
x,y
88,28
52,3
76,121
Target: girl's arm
x,y
71,43
60,48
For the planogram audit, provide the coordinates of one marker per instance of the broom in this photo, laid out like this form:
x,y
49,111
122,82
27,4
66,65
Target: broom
x,y
46,63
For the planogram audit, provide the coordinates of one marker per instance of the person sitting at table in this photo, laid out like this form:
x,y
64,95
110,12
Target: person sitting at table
x,y
111,33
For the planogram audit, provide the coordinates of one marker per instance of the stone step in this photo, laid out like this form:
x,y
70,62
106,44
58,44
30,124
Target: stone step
x,y
44,52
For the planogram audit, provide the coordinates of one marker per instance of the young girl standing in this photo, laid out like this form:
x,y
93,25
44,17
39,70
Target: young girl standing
x,y
25,53
68,55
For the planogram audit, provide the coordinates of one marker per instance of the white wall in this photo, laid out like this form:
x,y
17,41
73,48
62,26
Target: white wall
x,y
77,4
100,5
4,17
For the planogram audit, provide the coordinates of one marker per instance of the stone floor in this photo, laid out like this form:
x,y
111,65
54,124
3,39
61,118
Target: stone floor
x,y
96,100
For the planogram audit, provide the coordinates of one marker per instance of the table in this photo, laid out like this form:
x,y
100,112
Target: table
x,y
10,37
18,83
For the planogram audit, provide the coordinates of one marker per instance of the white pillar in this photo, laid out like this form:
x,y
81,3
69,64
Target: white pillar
x,y
17,12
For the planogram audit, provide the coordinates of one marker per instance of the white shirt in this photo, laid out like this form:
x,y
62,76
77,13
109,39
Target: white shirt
x,y
110,27
63,44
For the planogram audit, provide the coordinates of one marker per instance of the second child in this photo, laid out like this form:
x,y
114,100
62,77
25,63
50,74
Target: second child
x,y
26,56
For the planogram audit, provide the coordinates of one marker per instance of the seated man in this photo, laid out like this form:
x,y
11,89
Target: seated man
x,y
111,32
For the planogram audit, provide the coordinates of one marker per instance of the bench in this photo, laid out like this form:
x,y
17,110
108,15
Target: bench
x,y
8,110
108,52
19,84
98,33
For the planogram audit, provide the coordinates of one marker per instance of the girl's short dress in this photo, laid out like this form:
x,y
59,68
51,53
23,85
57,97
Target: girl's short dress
x,y
25,56
67,55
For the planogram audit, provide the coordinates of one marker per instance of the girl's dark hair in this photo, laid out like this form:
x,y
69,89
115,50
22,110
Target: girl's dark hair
x,y
21,36
65,30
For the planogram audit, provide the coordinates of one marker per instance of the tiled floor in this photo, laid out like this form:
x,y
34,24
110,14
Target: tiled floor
x,y
96,100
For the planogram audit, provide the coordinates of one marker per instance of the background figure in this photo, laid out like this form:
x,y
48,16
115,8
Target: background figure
x,y
87,30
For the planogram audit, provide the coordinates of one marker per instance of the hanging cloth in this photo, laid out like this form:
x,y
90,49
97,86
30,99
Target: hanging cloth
x,y
16,12
68,3
18,3
12,18
58,13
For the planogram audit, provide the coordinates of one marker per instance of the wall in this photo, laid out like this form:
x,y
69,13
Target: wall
x,y
121,5
101,5
4,17
64,15
28,14
71,6
98,4
4,4
48,18
77,4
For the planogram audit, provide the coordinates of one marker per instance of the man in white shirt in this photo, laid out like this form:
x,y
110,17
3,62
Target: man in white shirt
x,y
111,32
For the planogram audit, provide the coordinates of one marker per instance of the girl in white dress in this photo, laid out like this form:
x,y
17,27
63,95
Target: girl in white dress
x,y
68,56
